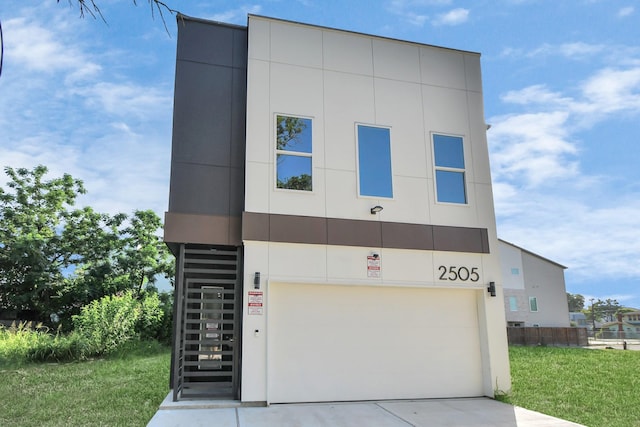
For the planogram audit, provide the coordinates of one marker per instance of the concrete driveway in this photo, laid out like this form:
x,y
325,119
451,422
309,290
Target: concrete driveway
x,y
471,412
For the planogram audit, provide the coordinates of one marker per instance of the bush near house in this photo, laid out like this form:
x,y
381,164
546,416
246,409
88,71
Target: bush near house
x,y
103,327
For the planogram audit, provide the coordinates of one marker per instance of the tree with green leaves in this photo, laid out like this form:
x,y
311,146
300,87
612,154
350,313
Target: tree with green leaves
x,y
55,258
288,131
298,182
576,302
602,311
33,251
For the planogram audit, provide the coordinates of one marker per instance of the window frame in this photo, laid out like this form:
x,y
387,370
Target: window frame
x,y
462,170
357,126
535,300
277,152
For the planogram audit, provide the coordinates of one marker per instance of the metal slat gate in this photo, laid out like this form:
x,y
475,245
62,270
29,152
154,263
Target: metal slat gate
x,y
207,322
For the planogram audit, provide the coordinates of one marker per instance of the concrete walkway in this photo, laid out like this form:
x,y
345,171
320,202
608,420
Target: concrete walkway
x,y
471,412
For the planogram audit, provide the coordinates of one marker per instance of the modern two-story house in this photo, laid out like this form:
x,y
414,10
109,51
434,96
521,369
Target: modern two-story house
x,y
332,218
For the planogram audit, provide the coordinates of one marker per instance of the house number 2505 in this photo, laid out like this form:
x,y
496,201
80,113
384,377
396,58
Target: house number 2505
x,y
459,273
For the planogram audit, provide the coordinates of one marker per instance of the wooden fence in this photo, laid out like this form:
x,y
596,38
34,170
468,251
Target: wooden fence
x,y
548,336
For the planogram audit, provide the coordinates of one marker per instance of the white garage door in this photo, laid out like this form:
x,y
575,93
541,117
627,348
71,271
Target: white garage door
x,y
332,343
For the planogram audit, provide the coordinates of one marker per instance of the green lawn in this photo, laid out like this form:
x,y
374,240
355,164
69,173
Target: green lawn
x,y
123,391
597,388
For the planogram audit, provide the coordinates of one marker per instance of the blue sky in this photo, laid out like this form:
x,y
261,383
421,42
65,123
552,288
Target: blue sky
x,y
561,90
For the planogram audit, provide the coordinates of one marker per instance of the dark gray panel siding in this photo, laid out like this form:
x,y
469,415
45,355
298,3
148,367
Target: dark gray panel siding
x,y
208,149
200,189
202,114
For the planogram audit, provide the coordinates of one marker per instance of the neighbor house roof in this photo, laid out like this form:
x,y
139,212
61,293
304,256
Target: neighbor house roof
x,y
533,253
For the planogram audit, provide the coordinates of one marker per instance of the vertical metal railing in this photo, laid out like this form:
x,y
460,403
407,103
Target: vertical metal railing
x,y
207,337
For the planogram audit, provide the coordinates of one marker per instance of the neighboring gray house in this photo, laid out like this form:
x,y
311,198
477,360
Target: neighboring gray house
x,y
534,289
579,320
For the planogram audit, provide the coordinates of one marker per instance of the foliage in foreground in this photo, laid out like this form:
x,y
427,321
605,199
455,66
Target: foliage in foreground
x,y
596,388
56,258
124,389
105,326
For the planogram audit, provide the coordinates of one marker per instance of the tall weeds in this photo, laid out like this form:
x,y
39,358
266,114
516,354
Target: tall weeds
x,y
106,326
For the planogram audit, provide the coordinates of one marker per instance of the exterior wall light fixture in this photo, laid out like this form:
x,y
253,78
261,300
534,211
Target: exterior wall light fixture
x,y
492,289
376,209
256,280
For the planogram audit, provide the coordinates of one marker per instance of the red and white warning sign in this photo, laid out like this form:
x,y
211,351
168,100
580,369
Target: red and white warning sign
x,y
373,266
255,303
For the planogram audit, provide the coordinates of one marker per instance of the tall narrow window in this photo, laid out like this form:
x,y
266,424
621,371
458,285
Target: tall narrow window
x,y
293,153
533,304
448,153
513,304
374,161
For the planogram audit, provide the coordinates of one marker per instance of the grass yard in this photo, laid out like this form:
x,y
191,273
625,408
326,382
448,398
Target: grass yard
x,y
119,391
596,388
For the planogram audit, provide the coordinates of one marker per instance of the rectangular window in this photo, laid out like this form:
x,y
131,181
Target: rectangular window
x,y
533,304
448,153
515,271
513,304
374,161
293,153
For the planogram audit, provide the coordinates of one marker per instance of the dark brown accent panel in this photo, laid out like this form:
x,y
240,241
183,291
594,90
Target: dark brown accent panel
x,y
203,229
255,226
348,232
485,241
298,229
458,239
407,236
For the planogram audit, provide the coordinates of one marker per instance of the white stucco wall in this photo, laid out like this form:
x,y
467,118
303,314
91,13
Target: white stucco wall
x,y
339,79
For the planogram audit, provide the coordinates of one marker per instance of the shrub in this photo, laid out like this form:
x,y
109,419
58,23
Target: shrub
x,y
16,340
104,327
151,314
28,342
108,322
165,329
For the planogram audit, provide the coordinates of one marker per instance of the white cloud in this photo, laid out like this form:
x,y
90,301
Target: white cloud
x,y
602,94
403,4
536,94
532,147
237,15
37,48
613,90
120,146
544,200
413,11
591,241
453,17
125,99
573,50
626,11
416,19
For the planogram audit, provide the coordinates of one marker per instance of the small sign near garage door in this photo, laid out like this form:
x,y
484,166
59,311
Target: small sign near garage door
x,y
255,302
373,265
